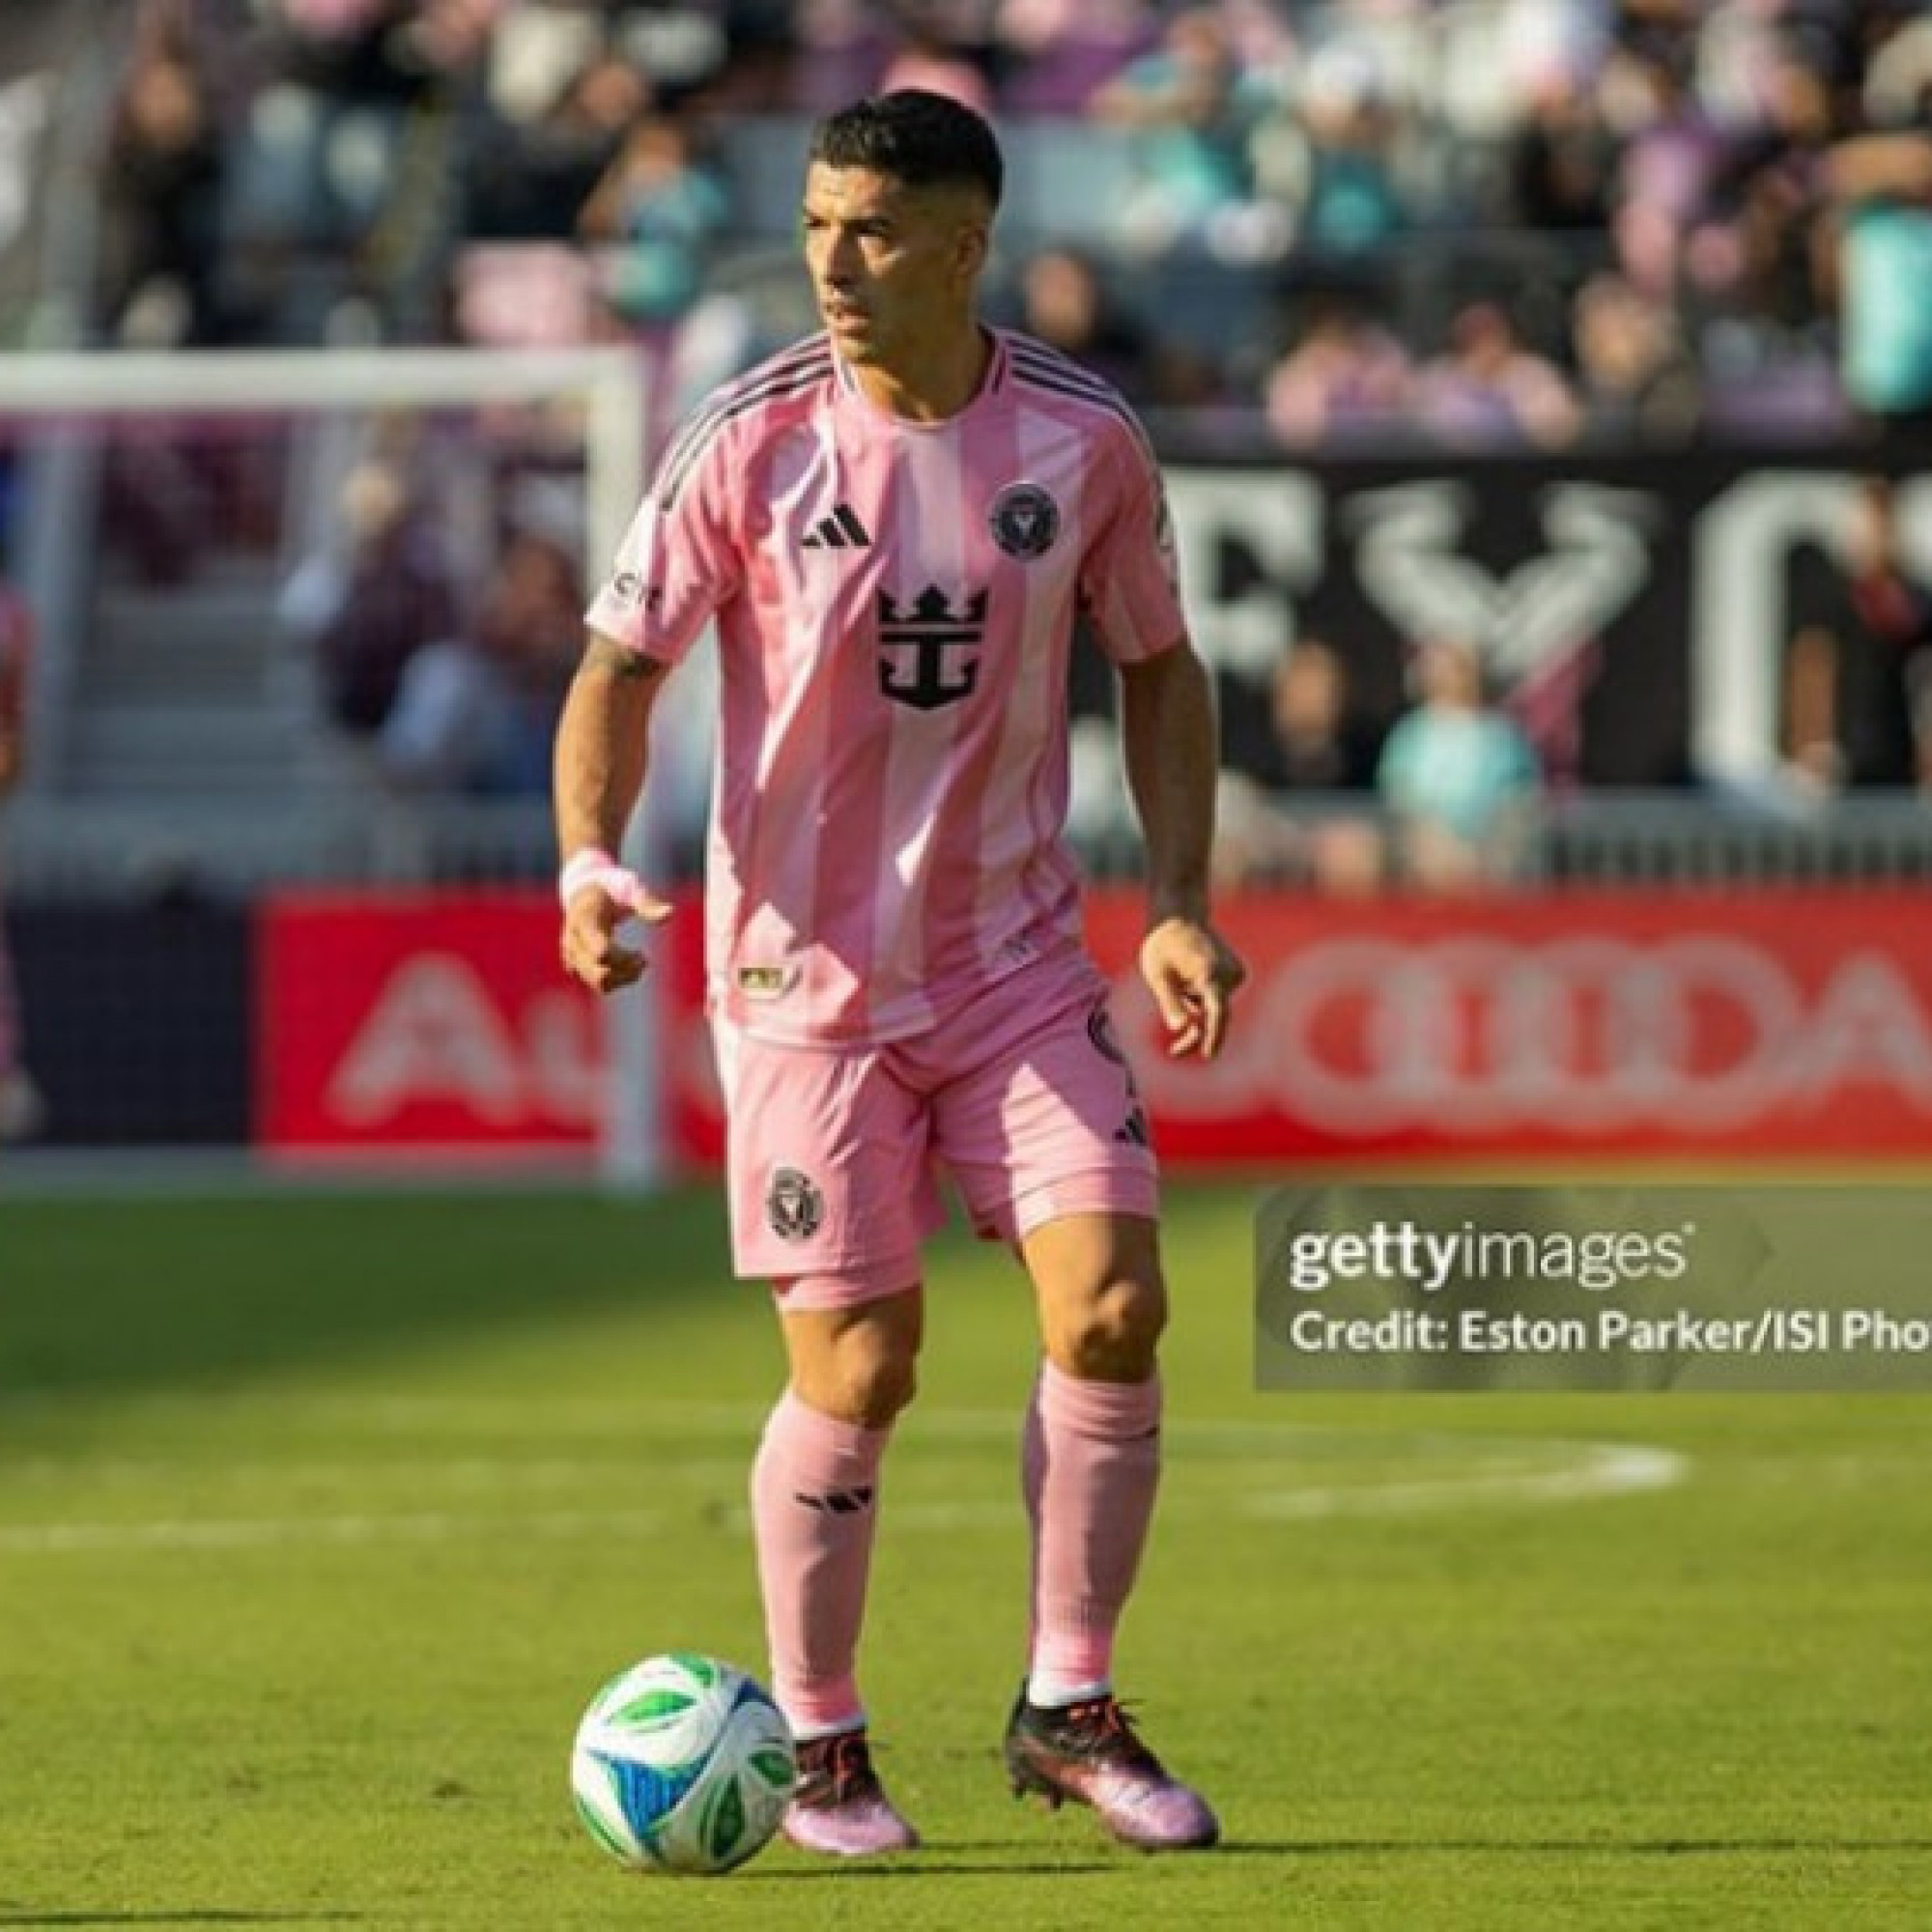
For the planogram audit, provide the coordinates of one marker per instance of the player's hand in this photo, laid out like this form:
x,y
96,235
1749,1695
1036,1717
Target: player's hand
x,y
592,952
1192,972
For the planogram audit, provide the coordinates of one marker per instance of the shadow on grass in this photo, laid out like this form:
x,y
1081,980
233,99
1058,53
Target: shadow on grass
x,y
200,1916
1619,1848
135,1297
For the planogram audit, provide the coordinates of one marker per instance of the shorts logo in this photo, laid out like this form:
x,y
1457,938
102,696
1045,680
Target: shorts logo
x,y
1100,1031
764,982
794,1204
1025,520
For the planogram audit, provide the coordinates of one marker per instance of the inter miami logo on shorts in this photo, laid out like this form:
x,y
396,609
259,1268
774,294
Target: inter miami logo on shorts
x,y
915,646
794,1204
1025,520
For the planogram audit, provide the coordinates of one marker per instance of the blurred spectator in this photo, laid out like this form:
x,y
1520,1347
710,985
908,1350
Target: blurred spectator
x,y
161,203
661,210
1672,157
530,178
1332,162
659,213
366,610
1880,189
1064,303
1196,112
529,632
1634,375
934,54
23,1111
1857,671
1300,804
1060,53
1562,158
1348,379
1488,391
1459,777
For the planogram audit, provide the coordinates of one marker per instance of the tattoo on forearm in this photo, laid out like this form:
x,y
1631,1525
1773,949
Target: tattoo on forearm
x,y
606,654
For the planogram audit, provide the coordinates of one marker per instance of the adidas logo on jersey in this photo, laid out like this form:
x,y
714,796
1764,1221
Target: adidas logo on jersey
x,y
841,530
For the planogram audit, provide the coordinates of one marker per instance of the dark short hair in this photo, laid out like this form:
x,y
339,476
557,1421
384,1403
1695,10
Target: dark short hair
x,y
914,136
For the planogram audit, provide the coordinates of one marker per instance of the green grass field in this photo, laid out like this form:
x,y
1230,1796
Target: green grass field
x,y
321,1517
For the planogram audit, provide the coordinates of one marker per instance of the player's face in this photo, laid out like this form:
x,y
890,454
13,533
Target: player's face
x,y
893,267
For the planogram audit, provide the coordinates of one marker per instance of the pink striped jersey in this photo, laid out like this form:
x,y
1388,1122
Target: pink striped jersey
x,y
894,605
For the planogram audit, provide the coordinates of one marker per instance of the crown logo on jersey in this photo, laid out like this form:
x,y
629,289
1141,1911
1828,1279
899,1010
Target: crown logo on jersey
x,y
841,530
914,665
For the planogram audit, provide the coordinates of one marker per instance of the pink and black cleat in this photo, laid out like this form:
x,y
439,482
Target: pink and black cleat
x,y
1088,1753
839,1805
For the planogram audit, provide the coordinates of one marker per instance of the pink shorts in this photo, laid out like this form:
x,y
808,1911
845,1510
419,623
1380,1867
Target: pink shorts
x,y
1023,1096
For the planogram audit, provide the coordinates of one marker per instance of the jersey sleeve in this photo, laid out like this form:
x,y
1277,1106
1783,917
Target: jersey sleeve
x,y
677,562
1129,582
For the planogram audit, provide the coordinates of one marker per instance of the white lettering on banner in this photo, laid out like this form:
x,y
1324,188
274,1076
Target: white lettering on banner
x,y
1414,562
1276,517
1470,1036
434,1034
1739,622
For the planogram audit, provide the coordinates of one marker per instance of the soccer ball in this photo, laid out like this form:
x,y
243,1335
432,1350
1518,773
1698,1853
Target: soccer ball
x,y
682,1764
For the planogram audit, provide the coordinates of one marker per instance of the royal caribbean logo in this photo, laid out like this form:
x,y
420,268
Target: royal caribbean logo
x,y
917,665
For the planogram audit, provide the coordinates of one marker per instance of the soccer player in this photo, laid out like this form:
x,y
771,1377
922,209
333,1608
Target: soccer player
x,y
894,525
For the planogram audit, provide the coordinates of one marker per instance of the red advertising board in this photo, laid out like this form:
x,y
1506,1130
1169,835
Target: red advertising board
x,y
1560,1029
1629,1025
1553,1029
423,1024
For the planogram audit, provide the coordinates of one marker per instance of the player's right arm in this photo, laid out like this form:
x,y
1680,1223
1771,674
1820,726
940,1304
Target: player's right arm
x,y
602,751
678,564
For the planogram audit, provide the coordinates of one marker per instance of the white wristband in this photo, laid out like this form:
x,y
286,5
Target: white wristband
x,y
595,866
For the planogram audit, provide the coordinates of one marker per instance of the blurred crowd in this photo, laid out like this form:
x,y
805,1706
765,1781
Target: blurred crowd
x,y
1484,221
1308,224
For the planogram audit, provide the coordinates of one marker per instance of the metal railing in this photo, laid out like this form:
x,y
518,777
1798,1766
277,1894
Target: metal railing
x,y
92,849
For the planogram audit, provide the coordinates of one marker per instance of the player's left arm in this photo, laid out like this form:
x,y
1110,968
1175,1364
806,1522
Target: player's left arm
x,y
1173,762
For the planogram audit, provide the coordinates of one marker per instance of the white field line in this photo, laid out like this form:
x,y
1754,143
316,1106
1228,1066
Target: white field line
x,y
1466,1476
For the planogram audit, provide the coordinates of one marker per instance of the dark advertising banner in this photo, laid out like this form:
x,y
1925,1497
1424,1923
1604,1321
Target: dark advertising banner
x,y
136,1021
1633,612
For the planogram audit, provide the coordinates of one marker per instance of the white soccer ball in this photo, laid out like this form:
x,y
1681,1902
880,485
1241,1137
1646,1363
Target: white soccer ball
x,y
682,1764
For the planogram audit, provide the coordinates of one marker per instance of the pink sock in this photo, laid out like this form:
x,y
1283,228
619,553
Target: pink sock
x,y
814,1484
1091,1464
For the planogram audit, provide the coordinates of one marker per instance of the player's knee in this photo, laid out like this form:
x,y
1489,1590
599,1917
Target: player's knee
x,y
1114,1334
869,1378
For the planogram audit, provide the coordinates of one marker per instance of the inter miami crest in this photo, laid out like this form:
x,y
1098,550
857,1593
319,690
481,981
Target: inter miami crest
x,y
1025,520
794,1204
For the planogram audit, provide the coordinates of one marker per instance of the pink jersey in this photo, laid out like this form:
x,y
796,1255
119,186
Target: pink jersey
x,y
895,604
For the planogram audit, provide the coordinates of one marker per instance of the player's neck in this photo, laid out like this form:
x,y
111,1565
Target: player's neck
x,y
938,385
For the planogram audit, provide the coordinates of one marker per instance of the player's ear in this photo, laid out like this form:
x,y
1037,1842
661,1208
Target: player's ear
x,y
972,244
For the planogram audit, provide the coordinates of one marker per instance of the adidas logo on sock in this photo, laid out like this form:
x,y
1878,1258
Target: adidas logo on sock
x,y
841,530
837,1502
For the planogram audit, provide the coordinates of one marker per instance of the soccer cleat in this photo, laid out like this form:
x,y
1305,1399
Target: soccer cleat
x,y
1089,1753
839,1805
